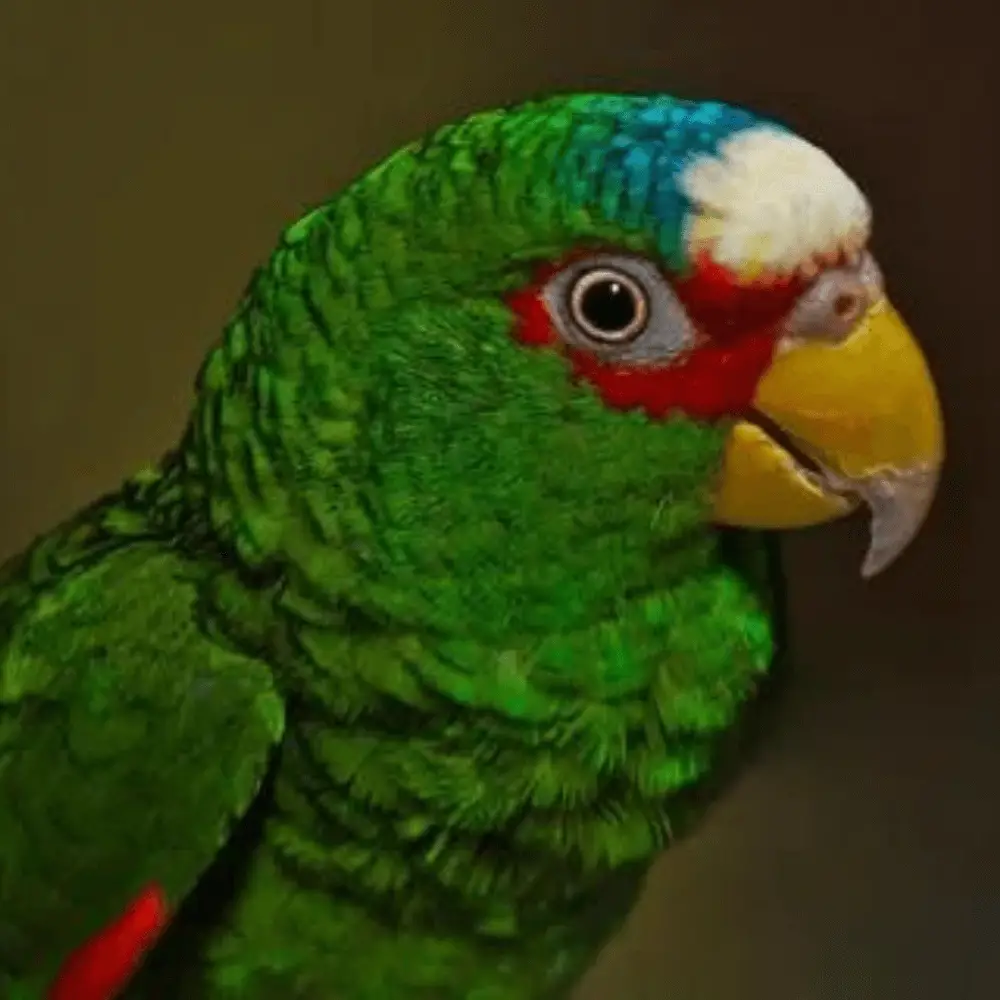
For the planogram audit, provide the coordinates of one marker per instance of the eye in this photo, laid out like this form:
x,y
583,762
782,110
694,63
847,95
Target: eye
x,y
608,306
835,302
620,307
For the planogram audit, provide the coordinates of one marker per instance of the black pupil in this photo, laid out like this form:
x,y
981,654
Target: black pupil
x,y
608,306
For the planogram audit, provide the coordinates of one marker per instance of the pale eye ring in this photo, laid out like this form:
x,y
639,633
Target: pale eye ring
x,y
609,306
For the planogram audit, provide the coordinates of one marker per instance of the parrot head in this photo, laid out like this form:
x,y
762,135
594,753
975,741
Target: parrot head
x,y
565,341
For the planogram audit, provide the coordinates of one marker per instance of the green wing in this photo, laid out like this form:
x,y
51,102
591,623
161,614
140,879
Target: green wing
x,y
130,742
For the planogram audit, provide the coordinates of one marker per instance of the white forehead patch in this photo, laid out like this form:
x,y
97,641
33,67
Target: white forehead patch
x,y
769,202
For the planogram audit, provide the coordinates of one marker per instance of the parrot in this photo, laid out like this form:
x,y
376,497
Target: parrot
x,y
395,675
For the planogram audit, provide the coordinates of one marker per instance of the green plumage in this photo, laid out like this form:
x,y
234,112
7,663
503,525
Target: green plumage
x,y
460,632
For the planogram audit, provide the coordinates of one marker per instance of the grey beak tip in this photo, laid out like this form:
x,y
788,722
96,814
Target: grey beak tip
x,y
899,503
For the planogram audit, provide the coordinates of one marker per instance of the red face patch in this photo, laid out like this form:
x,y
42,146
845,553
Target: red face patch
x,y
737,327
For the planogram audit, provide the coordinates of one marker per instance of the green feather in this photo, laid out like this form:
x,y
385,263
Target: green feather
x,y
481,618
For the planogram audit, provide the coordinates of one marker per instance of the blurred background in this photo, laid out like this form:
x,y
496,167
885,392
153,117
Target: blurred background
x,y
149,155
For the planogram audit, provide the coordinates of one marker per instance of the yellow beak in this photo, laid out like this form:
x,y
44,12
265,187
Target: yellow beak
x,y
857,421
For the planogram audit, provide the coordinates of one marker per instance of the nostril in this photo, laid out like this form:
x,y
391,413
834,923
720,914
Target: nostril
x,y
846,305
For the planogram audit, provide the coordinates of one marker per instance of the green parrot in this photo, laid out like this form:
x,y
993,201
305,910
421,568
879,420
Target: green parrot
x,y
393,678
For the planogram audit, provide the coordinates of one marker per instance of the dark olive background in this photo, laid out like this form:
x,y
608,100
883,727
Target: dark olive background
x,y
149,154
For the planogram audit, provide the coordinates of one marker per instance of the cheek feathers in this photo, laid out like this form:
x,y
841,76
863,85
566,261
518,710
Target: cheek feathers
x,y
711,382
737,324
